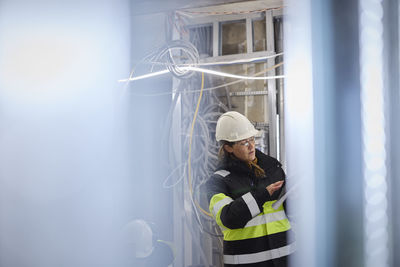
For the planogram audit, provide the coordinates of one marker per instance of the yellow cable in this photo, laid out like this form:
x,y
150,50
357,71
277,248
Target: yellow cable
x,y
190,145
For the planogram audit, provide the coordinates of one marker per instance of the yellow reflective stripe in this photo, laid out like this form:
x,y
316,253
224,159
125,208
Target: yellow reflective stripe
x,y
257,231
266,218
220,204
217,202
267,207
278,226
269,222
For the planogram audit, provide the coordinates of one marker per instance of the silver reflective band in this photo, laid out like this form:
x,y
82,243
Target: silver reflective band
x,y
223,173
260,256
221,204
266,218
251,204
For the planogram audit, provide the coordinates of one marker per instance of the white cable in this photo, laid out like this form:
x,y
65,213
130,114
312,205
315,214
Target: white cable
x,y
180,178
212,72
206,89
239,61
224,74
152,74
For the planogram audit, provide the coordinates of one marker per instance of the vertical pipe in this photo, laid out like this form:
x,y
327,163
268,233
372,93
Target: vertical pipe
x,y
279,48
299,125
272,105
392,94
249,35
373,134
216,43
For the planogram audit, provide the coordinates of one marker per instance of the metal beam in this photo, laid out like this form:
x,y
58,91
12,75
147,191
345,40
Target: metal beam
x,y
216,43
249,35
272,108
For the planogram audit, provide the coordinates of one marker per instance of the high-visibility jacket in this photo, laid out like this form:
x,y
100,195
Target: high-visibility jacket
x,y
254,233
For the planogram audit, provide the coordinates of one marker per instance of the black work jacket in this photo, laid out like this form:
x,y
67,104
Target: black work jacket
x,y
238,179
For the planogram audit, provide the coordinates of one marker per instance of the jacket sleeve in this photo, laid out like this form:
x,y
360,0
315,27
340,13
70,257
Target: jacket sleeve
x,y
233,213
277,175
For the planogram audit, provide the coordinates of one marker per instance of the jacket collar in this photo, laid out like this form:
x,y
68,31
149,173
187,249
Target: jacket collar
x,y
232,163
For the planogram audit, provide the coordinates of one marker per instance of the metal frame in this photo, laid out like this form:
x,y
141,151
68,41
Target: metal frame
x,y
178,191
270,112
272,105
182,235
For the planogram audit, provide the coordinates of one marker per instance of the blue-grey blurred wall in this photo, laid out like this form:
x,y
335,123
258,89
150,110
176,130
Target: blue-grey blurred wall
x,y
64,165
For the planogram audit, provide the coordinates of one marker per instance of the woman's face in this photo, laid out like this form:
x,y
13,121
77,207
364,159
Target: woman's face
x,y
244,150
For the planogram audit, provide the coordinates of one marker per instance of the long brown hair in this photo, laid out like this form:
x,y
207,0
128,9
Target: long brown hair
x,y
222,153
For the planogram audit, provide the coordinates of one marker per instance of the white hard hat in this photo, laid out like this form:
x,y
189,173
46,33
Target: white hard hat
x,y
233,126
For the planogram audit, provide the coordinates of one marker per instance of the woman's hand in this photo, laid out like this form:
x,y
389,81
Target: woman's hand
x,y
273,187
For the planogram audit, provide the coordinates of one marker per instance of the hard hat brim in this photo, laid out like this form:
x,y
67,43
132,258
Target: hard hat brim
x,y
255,133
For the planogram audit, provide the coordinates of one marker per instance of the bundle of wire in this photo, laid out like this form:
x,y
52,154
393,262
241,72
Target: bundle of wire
x,y
200,109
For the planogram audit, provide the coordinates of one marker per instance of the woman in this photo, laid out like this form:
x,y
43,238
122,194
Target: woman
x,y
241,193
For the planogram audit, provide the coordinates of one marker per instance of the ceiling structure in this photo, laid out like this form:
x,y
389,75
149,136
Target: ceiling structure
x,y
140,7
